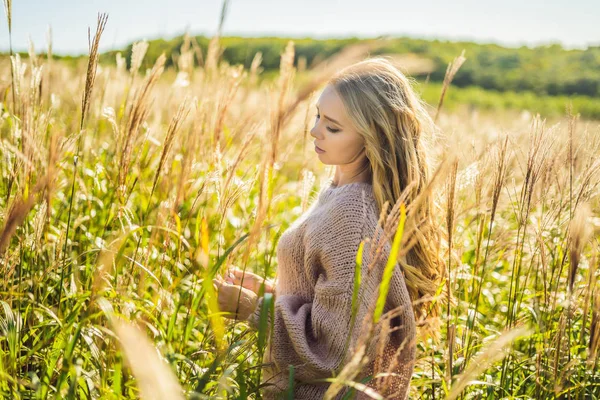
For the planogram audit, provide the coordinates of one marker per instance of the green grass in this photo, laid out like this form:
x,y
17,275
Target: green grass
x,y
491,100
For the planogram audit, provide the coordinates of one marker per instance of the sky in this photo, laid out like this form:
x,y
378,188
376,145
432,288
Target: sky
x,y
573,23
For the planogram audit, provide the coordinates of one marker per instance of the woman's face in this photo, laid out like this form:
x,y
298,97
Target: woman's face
x,y
334,135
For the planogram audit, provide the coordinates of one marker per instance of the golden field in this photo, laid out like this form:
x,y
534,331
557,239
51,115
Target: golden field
x,y
123,192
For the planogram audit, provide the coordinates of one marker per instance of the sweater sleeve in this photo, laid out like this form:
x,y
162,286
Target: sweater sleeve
x,y
311,334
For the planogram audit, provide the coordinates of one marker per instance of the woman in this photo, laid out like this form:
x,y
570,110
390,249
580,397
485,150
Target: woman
x,y
370,125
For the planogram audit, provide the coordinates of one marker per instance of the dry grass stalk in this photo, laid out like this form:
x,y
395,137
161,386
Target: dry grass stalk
x,y
237,75
491,354
579,233
92,63
193,140
381,342
155,378
450,219
249,138
499,176
348,373
544,263
109,114
8,11
589,292
537,161
105,265
214,48
570,158
18,69
30,119
49,44
387,377
32,56
197,51
17,214
451,70
594,342
228,197
450,202
559,350
376,243
287,73
174,126
137,115
20,158
185,60
255,68
212,55
138,52
589,181
53,157
263,179
241,126
481,221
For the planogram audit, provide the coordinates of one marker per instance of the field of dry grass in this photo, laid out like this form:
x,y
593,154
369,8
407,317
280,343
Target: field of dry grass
x,y
122,192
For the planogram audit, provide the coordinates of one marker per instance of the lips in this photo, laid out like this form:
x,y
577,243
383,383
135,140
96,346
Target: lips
x,y
318,148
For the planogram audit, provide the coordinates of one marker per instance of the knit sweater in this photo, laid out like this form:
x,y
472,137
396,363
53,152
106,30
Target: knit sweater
x,y
313,301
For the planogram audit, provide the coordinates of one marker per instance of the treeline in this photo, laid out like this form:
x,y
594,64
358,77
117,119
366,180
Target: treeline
x,y
544,70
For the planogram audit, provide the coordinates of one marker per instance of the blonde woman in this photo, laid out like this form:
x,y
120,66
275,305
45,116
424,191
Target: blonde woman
x,y
372,127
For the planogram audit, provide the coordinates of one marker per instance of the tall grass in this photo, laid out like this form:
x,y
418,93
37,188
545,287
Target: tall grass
x,y
124,205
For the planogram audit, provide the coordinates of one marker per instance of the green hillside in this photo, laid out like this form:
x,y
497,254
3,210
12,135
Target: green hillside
x,y
545,70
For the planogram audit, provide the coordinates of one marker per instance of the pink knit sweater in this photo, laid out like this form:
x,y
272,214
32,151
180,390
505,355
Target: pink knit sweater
x,y
313,300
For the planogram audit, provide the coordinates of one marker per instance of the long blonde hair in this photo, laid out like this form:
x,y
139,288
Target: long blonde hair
x,y
397,129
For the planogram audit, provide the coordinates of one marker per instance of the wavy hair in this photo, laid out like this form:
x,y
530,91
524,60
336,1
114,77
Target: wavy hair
x,y
397,129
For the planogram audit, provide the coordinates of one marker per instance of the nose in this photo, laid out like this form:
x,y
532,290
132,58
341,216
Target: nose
x,y
314,132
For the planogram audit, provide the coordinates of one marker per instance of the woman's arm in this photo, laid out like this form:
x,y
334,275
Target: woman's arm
x,y
309,333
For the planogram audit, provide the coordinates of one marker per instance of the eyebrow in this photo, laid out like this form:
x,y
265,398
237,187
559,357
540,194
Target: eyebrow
x,y
326,117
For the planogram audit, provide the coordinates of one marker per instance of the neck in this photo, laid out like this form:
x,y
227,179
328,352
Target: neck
x,y
350,173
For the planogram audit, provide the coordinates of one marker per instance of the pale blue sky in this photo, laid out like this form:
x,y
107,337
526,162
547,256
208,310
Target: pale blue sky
x,y
573,23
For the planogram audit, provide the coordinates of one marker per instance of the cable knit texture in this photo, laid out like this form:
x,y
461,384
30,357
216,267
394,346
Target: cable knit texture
x,y
313,301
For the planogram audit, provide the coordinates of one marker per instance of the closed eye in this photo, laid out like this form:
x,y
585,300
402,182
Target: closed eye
x,y
332,130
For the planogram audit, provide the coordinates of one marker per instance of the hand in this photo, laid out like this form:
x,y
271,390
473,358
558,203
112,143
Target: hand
x,y
250,281
228,300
